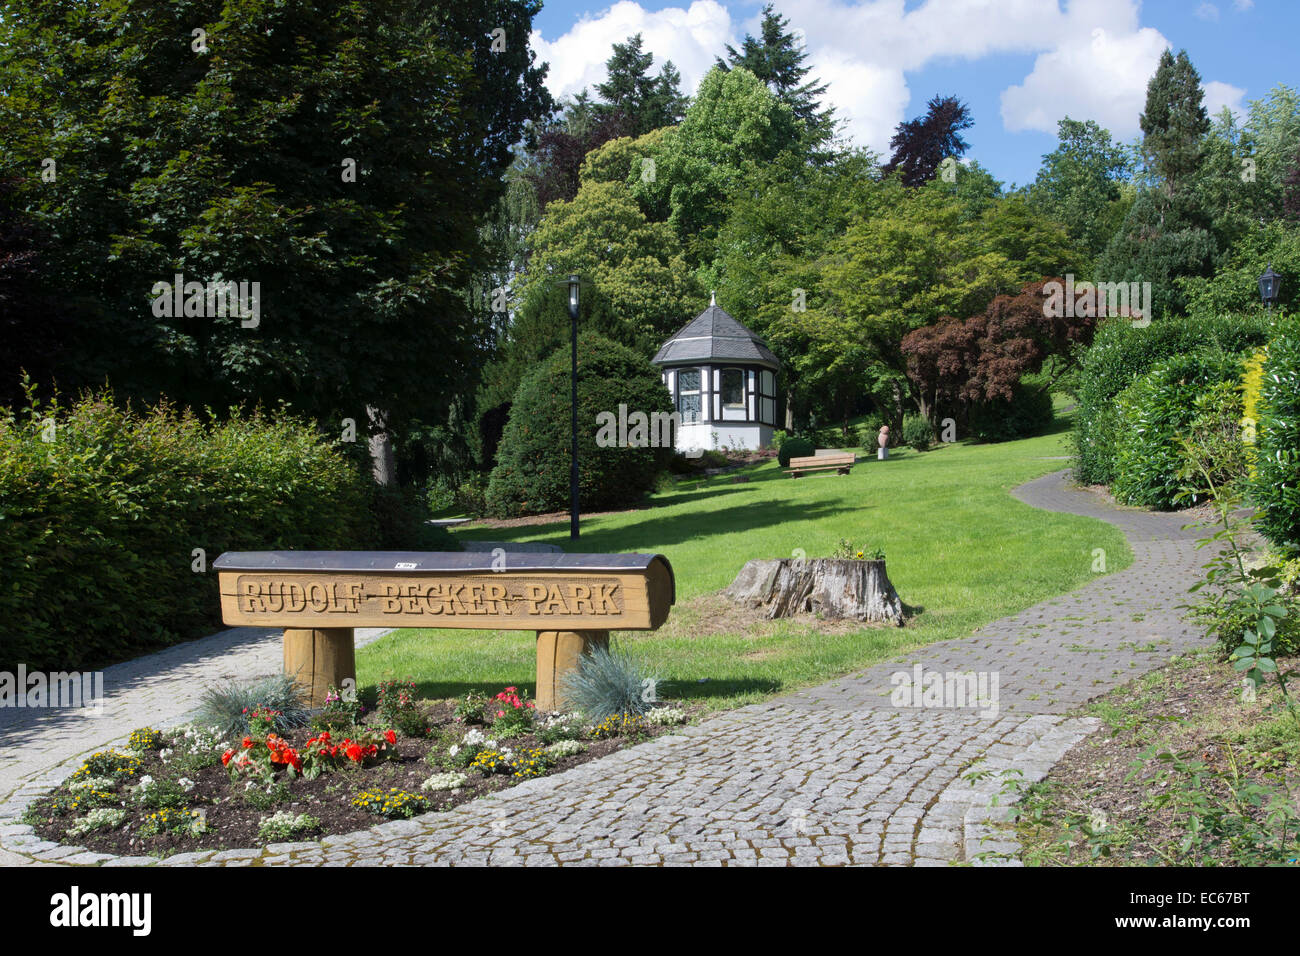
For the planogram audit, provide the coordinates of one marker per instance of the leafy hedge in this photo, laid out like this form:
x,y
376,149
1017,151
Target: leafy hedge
x,y
1120,353
532,471
1277,477
101,510
1152,413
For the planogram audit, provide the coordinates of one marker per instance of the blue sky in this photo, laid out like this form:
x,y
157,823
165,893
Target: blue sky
x,y
1020,65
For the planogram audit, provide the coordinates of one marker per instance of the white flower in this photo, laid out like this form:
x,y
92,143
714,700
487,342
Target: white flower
x,y
165,754
186,784
444,781
453,749
145,783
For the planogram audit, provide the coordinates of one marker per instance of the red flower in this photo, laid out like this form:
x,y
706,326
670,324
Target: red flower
x,y
390,736
225,758
248,743
353,752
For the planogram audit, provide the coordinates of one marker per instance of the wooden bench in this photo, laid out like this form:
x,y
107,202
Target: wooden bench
x,y
842,463
572,602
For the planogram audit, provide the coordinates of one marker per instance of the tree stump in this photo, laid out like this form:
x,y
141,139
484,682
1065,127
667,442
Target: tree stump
x,y
829,587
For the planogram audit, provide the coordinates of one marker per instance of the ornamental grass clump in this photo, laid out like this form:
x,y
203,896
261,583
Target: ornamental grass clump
x,y
608,684
227,709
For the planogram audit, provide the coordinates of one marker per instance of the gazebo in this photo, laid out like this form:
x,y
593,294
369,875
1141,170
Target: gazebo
x,y
722,378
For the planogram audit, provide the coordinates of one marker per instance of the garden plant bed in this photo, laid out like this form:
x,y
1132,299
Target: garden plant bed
x,y
182,790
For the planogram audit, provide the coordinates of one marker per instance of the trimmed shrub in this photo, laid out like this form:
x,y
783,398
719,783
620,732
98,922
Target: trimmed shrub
x,y
532,472
1120,353
1277,477
917,432
794,448
1029,412
1152,413
102,510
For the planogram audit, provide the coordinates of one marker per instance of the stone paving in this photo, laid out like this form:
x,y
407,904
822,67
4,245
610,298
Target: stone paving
x,y
835,774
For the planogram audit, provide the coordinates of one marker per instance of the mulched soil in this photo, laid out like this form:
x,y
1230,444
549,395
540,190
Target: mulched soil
x,y
233,821
1194,707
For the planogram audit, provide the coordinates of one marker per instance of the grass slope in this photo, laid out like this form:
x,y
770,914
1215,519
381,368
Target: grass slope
x,y
960,550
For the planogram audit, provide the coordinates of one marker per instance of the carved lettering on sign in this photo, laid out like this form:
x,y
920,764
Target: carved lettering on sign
x,y
263,594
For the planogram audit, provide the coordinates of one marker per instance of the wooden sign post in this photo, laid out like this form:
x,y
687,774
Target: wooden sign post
x,y
572,601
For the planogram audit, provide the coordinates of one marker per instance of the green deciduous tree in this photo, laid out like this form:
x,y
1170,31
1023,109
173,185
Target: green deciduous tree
x,y
1082,184
734,126
230,156
636,264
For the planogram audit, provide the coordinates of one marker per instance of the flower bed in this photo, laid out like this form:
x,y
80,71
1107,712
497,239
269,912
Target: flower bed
x,y
195,789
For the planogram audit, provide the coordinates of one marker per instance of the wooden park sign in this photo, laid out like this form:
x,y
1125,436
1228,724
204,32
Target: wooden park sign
x,y
572,601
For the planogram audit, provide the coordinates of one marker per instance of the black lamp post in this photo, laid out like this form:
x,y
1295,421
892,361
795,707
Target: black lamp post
x,y
573,407
1269,285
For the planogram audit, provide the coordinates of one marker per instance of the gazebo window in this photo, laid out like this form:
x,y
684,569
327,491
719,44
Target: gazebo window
x,y
688,394
733,388
767,397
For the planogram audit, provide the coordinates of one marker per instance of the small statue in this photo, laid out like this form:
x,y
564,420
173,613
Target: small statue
x,y
883,441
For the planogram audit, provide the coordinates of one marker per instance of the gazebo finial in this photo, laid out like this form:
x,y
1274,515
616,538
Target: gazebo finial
x,y
713,299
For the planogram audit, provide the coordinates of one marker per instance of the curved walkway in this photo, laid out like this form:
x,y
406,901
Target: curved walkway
x,y
831,774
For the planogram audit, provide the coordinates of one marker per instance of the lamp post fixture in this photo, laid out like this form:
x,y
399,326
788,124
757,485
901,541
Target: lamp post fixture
x,y
1269,285
573,406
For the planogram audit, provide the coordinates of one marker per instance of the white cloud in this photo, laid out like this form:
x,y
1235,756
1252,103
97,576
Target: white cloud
x,y
1207,11
690,37
1218,95
1241,6
1101,76
1093,57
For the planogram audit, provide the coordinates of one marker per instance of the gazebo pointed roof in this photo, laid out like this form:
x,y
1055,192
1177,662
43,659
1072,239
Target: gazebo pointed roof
x,y
713,336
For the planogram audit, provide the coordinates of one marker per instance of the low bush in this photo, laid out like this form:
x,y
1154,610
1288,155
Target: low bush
x,y
1152,414
796,447
917,432
1277,478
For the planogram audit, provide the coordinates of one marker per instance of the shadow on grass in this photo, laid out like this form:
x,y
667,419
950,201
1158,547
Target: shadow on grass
x,y
661,530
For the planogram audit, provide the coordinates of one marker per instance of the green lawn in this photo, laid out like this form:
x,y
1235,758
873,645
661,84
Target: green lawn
x,y
960,550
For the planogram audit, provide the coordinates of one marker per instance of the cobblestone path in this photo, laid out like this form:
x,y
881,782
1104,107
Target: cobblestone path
x,y
834,774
